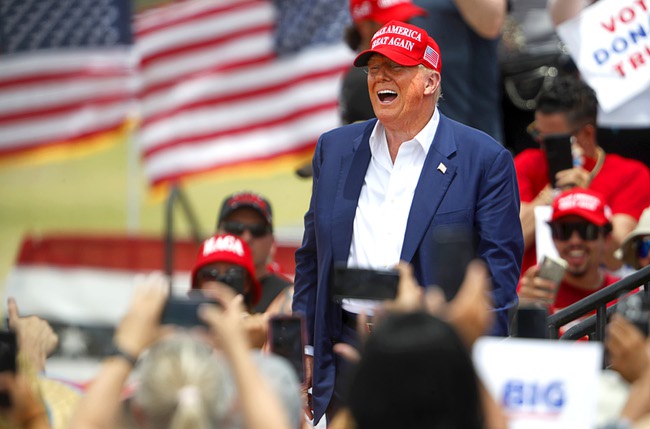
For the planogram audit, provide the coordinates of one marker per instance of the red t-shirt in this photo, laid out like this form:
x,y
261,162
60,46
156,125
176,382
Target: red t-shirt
x,y
624,182
568,294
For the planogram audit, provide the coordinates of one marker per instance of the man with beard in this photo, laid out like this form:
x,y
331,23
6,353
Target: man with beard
x,y
581,227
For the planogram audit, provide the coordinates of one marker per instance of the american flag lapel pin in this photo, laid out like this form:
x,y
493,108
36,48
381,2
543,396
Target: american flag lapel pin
x,y
442,168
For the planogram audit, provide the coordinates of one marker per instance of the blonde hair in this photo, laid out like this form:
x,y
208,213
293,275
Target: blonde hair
x,y
183,386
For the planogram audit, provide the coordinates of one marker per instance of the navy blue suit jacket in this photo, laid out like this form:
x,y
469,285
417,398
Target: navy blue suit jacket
x,y
477,190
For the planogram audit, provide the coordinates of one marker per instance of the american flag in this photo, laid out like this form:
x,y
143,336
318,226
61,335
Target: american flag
x,y
66,73
226,82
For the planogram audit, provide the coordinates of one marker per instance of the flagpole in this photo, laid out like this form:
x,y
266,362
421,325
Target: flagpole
x,y
133,192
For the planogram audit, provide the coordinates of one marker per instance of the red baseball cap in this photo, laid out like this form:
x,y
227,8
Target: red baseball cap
x,y
405,44
227,248
246,199
383,11
585,203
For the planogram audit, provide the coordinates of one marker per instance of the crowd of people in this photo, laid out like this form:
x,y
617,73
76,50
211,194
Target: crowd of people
x,y
392,189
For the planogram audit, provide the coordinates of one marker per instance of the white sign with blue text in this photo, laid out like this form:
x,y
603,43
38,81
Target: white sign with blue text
x,y
542,384
610,43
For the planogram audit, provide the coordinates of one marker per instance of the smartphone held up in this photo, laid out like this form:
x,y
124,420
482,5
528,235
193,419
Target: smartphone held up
x,y
184,311
286,338
552,268
558,155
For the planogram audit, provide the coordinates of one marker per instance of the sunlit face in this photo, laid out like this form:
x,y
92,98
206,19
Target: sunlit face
x,y
261,247
398,93
582,255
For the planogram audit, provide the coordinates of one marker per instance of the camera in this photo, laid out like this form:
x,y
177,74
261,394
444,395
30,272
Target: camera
x,y
636,309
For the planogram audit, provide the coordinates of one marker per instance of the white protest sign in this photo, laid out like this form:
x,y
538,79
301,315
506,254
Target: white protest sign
x,y
610,43
542,383
543,238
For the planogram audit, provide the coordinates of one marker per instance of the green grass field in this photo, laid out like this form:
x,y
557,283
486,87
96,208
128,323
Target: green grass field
x,y
89,194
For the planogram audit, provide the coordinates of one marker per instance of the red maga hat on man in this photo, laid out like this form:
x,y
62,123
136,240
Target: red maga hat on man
x,y
405,44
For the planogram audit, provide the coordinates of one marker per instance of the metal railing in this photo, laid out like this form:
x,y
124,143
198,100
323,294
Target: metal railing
x,y
176,196
594,326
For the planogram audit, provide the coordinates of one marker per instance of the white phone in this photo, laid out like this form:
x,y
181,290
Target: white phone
x,y
552,268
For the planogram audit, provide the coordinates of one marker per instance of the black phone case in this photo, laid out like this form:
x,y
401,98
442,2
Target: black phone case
x,y
183,312
286,338
453,250
8,363
361,283
558,155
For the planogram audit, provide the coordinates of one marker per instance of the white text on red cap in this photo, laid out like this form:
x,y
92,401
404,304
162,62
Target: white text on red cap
x,y
385,4
223,244
583,201
398,29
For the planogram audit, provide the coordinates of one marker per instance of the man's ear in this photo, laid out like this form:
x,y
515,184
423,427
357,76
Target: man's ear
x,y
432,83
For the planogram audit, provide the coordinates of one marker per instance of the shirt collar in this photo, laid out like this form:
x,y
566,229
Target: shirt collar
x,y
424,137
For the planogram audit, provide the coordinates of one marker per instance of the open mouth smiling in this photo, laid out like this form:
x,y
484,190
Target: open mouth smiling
x,y
386,95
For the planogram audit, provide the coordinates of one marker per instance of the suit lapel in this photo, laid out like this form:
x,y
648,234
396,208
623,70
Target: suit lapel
x,y
351,177
437,173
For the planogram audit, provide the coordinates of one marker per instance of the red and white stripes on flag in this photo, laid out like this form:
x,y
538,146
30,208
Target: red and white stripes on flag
x,y
65,96
214,93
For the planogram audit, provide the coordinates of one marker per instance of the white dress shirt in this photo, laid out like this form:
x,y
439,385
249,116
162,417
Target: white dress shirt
x,y
385,202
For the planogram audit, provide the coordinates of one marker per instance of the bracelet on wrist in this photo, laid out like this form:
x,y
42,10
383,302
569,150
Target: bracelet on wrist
x,y
116,351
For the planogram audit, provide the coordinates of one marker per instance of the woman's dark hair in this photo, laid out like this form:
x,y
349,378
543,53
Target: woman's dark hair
x,y
415,373
570,95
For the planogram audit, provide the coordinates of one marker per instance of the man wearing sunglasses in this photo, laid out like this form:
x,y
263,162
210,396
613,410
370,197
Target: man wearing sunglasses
x,y
569,107
581,227
249,216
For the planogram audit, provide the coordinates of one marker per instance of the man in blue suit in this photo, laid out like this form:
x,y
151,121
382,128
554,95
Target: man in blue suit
x,y
382,188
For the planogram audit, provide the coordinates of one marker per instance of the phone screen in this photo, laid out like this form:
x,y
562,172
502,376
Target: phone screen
x,y
286,339
8,353
453,250
183,311
361,283
558,154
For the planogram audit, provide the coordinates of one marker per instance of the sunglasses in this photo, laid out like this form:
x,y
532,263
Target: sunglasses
x,y
643,247
257,230
564,230
233,277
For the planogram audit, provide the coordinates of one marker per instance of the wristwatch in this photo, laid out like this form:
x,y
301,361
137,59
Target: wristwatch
x,y
115,351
